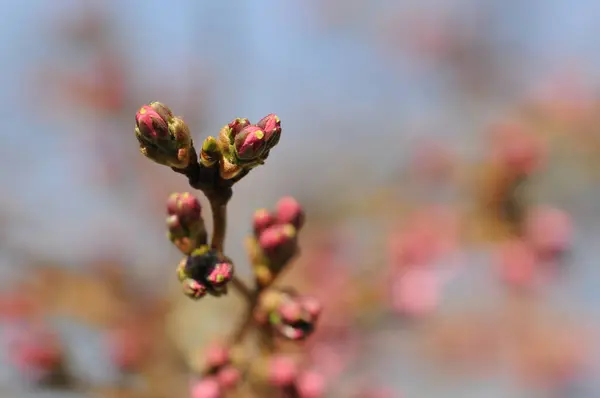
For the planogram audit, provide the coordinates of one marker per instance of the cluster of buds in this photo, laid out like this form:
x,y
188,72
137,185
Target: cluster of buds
x,y
163,138
274,242
219,376
289,314
241,146
36,353
184,222
205,271
282,374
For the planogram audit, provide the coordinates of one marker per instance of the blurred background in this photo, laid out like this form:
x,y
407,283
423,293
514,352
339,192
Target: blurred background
x,y
446,153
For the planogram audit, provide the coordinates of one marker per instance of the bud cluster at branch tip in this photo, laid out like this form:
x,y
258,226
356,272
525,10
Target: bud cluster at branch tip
x,y
205,271
185,223
163,138
275,239
291,315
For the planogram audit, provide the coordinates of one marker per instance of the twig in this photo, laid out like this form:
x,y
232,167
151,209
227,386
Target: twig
x,y
219,216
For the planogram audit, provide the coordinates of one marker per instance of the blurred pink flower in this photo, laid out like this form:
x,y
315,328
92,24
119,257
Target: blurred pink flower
x,y
415,292
34,351
206,388
311,384
282,371
516,148
549,230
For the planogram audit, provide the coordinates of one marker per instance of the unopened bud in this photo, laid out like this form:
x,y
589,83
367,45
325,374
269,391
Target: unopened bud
x,y
249,144
271,125
289,211
210,153
282,371
262,220
193,289
207,388
163,138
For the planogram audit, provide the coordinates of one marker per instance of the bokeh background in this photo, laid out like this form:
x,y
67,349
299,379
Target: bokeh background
x,y
386,109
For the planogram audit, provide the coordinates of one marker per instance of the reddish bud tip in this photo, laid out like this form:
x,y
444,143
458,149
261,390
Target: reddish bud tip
x,y
262,220
271,125
250,143
289,211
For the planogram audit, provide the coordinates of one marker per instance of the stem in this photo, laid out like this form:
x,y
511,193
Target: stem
x,y
246,322
219,216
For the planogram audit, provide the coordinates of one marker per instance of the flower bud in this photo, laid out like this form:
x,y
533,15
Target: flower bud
x,y
289,211
279,245
193,289
262,220
217,356
236,126
163,138
228,377
249,144
282,371
207,388
185,224
208,269
276,237
311,384
220,274
210,153
271,125
292,316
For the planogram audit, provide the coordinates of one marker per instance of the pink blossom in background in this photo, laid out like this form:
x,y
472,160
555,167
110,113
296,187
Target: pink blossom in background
x,y
516,148
549,230
415,292
311,384
34,351
206,388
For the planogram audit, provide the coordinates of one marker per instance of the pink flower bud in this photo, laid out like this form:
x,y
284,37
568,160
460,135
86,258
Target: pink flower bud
x,y
236,126
220,274
262,220
207,388
282,371
293,318
415,292
250,144
217,356
277,236
228,377
291,311
312,306
289,211
193,288
163,138
151,125
549,230
184,205
517,149
311,385
271,125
